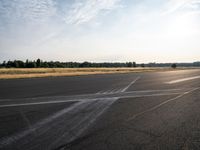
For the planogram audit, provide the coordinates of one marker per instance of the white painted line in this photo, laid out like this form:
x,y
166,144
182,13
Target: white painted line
x,y
76,125
116,90
37,103
182,80
123,90
152,95
159,105
100,107
94,99
107,92
100,92
104,92
109,96
162,90
85,121
7,140
53,102
112,91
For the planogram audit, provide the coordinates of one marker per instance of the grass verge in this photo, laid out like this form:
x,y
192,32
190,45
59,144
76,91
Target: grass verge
x,y
14,73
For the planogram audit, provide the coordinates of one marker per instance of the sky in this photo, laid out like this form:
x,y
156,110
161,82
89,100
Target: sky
x,y
100,30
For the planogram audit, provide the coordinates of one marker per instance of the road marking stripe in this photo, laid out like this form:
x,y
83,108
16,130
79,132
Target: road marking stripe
x,y
159,105
84,122
37,103
142,91
92,97
114,91
150,95
120,89
107,92
100,92
182,80
79,100
55,102
7,140
123,90
77,123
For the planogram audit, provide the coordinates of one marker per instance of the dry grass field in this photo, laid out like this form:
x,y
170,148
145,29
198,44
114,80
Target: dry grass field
x,y
12,73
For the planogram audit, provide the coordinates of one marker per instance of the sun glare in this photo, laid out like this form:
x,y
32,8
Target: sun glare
x,y
181,26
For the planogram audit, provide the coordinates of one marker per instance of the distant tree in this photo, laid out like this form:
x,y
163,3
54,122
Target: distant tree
x,y
57,64
173,66
30,64
10,64
142,65
85,64
4,64
196,64
26,63
134,64
16,64
21,64
45,65
38,63
129,64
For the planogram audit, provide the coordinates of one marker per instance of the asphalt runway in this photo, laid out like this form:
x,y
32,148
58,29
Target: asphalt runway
x,y
136,111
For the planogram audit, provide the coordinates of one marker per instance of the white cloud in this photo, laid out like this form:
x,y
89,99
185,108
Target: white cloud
x,y
181,5
26,10
84,10
134,31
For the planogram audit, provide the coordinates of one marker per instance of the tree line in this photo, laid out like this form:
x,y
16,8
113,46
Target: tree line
x,y
194,64
56,64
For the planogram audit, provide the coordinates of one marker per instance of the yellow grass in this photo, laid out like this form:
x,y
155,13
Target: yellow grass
x,y
11,73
